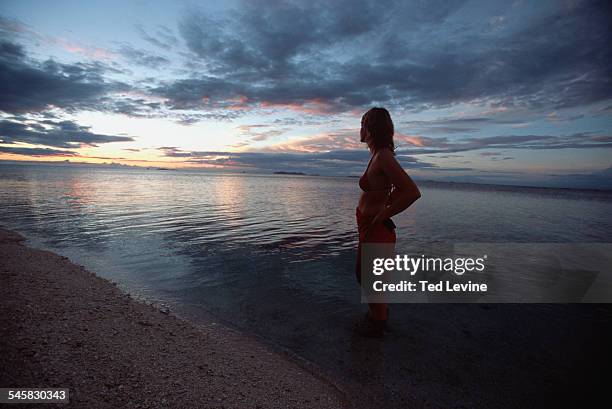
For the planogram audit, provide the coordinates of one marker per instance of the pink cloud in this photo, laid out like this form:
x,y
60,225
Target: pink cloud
x,y
342,140
411,139
316,106
77,48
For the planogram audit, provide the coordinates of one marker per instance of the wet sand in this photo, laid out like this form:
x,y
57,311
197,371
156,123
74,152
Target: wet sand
x,y
63,326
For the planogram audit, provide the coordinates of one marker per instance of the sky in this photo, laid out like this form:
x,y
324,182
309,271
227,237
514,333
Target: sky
x,y
479,91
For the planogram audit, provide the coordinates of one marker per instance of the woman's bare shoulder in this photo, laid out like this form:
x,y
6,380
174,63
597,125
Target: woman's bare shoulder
x,y
385,153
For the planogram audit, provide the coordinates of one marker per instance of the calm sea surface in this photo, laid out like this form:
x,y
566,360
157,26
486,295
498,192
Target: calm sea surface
x,y
273,255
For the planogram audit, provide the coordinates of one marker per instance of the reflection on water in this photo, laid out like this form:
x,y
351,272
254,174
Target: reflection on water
x,y
270,254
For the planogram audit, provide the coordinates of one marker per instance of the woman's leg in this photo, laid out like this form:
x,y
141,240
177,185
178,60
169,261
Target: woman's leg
x,y
358,267
381,234
378,311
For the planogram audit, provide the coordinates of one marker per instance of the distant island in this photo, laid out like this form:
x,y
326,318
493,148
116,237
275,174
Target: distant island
x,y
291,173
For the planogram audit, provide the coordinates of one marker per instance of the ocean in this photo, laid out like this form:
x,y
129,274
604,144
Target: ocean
x,y
274,255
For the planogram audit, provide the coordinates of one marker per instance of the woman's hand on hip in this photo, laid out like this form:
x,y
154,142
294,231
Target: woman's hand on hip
x,y
378,219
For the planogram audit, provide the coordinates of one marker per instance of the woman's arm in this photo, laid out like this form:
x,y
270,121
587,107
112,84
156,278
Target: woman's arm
x,y
406,191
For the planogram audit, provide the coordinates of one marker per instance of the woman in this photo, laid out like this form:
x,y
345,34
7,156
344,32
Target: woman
x,y
387,191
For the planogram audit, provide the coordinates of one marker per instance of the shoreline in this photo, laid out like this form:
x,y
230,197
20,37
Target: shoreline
x,y
55,322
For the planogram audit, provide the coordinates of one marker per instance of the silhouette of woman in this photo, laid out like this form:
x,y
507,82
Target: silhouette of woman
x,y
387,191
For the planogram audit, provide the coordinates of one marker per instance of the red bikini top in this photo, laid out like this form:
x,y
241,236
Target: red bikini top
x,y
364,183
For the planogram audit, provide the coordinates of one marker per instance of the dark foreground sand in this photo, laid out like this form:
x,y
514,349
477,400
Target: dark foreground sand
x,y
62,326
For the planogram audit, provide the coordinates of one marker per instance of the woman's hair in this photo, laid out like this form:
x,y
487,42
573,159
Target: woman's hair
x,y
378,123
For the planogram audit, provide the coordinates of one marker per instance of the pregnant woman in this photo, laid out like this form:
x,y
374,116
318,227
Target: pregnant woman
x,y
387,191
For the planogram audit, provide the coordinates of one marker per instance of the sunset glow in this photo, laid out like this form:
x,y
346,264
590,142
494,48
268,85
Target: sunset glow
x,y
515,93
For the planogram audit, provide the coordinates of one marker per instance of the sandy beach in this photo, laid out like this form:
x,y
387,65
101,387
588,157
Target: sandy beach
x,y
63,326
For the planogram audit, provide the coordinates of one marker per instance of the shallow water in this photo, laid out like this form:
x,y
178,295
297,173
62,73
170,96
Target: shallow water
x,y
270,254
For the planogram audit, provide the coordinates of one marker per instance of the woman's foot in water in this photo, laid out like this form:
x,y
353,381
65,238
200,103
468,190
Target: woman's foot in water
x,y
370,328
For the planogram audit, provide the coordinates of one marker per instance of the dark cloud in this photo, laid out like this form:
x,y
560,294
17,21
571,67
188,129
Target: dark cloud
x,y
167,35
164,37
10,50
135,107
26,86
324,163
11,29
321,57
446,156
581,140
555,117
258,39
198,93
35,151
462,124
142,57
414,55
61,134
450,129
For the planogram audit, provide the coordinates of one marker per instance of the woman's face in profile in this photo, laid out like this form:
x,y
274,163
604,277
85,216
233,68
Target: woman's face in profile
x,y
363,133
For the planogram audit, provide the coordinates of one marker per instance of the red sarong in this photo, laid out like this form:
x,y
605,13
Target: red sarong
x,y
378,234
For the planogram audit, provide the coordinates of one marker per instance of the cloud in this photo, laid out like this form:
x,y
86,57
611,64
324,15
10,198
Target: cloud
x,y
142,57
342,153
35,151
61,134
258,133
164,37
417,55
555,117
581,140
342,139
463,124
450,129
320,58
10,27
326,163
10,50
347,139
30,86
33,87
96,53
